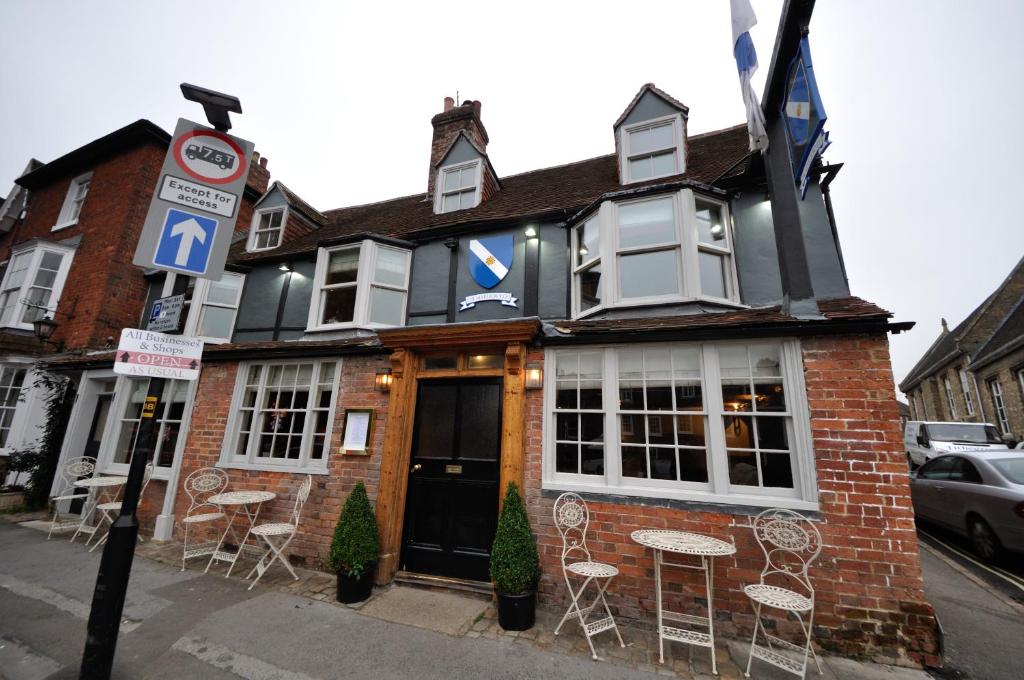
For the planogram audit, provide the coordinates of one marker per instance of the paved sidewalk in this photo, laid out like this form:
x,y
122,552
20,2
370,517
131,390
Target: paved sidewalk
x,y
190,625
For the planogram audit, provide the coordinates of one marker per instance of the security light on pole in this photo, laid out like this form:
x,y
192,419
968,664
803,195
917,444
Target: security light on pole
x,y
216,104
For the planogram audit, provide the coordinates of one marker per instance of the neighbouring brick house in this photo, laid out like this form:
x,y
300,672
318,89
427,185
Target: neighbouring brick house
x,y
67,237
975,372
615,326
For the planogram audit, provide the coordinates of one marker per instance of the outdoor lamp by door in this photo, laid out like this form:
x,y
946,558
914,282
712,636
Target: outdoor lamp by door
x,y
44,328
383,380
534,377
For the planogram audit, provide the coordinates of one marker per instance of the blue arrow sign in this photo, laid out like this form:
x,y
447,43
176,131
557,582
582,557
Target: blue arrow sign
x,y
186,241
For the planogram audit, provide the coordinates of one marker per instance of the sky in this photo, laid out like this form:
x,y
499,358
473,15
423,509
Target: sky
x,y
923,99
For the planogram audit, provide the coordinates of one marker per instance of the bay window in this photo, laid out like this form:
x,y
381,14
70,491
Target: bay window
x,y
12,381
668,248
720,422
363,284
37,275
282,415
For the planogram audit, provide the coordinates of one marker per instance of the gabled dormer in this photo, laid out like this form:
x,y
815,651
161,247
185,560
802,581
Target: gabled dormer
x,y
278,215
650,136
461,175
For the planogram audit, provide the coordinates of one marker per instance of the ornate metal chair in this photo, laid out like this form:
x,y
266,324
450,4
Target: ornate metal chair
x,y
73,470
200,485
283,533
572,519
790,543
110,511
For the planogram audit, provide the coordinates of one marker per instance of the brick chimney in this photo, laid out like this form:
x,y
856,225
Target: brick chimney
x,y
259,176
447,125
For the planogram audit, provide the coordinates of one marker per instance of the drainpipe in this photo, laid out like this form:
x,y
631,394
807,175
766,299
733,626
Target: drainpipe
x,y
830,174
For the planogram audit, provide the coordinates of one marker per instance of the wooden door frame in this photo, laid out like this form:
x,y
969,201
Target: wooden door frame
x,y
408,345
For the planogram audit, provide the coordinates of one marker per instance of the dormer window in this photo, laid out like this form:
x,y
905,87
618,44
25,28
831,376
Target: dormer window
x,y
268,227
652,149
459,187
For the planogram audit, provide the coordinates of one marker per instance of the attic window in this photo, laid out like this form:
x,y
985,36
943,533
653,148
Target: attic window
x,y
459,187
267,228
652,149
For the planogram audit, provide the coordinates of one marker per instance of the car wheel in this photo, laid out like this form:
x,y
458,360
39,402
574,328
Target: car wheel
x,y
984,541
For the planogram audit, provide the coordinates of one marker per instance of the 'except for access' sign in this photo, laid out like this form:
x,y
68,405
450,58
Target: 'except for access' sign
x,y
147,354
195,206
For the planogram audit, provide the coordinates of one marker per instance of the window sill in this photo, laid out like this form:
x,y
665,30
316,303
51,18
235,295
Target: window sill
x,y
732,503
674,173
657,302
18,326
63,225
262,250
263,467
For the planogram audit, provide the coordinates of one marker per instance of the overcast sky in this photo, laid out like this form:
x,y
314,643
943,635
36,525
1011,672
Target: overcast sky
x,y
923,97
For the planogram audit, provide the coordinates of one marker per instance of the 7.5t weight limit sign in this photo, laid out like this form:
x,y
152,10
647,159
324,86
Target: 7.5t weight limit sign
x,y
193,212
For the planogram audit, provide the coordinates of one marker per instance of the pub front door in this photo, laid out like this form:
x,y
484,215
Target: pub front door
x,y
451,510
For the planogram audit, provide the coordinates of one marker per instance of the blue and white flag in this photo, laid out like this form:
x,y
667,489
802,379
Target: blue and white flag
x,y
490,259
743,19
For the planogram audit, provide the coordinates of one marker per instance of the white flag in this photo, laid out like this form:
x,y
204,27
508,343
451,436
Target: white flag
x,y
743,19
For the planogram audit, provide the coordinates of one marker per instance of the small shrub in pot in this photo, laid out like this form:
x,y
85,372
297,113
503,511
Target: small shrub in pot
x,y
355,547
515,567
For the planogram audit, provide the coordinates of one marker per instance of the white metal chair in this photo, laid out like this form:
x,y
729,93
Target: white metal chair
x,y
73,470
282,533
200,486
572,517
110,511
790,543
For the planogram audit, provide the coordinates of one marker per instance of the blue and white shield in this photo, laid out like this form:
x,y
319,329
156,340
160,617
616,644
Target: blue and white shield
x,y
490,259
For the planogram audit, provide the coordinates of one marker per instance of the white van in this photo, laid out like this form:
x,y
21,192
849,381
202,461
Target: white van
x,y
925,440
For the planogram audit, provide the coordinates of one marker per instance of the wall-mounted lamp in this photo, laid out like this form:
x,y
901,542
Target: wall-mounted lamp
x,y
531,232
383,380
285,267
44,328
584,251
534,377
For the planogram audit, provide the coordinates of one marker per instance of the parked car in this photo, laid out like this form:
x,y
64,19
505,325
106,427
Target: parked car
x,y
977,494
926,440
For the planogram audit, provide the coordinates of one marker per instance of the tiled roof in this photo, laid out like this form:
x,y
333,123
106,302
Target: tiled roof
x,y
835,310
1007,337
560,190
295,201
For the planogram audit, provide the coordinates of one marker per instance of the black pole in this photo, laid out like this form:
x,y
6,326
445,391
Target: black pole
x,y
116,563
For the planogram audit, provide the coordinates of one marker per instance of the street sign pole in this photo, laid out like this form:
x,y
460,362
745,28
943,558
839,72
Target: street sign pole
x,y
116,563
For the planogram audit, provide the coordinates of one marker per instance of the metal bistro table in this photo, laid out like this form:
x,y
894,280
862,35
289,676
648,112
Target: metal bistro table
x,y
243,501
103,489
685,543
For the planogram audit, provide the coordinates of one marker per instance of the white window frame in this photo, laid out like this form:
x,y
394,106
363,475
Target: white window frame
x,y
111,432
965,387
439,192
996,388
678,135
256,217
687,245
803,496
368,250
72,206
200,291
37,249
950,400
250,461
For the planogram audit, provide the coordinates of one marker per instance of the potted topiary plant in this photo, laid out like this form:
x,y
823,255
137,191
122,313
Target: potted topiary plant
x,y
515,568
354,548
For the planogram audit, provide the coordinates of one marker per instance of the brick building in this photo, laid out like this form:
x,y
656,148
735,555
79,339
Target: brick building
x,y
975,372
615,326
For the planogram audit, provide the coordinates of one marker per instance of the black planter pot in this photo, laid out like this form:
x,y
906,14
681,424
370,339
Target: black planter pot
x,y
352,589
517,612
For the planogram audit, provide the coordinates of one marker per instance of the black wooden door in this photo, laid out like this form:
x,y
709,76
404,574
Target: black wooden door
x,y
452,501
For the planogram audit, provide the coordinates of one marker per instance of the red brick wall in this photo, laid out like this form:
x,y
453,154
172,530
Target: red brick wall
x,y
870,597
320,515
104,291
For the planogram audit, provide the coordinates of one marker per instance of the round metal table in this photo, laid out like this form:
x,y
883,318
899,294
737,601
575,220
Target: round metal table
x,y
243,502
685,543
103,488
